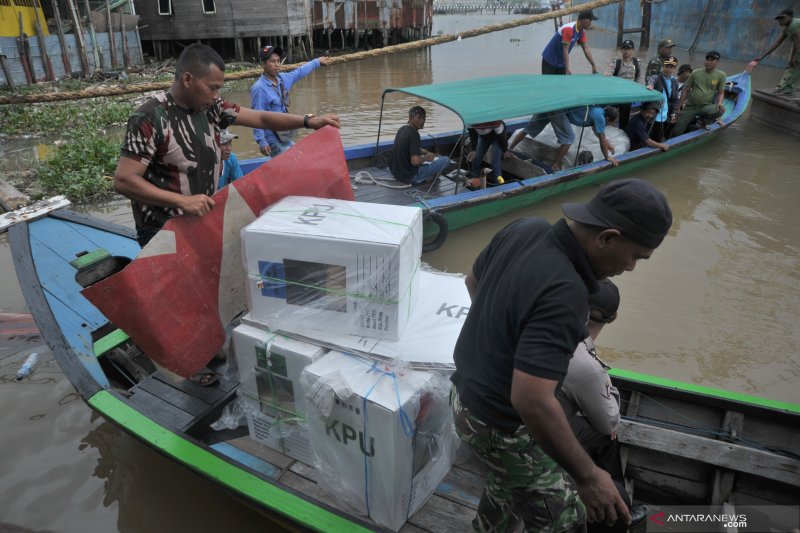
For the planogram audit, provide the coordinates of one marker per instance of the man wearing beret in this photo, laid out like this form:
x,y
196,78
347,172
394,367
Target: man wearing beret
x,y
702,93
530,288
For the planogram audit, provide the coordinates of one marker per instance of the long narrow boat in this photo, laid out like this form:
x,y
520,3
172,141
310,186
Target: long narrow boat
x,y
682,444
514,98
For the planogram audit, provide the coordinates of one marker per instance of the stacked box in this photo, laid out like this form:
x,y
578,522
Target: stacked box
x,y
382,440
270,367
333,265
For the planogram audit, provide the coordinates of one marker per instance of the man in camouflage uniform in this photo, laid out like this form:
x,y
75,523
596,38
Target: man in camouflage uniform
x,y
171,156
665,47
529,290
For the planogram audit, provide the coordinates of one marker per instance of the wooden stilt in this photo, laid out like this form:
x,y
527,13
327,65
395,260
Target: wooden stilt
x,y
45,57
61,39
25,54
97,51
239,46
112,45
79,41
126,60
6,71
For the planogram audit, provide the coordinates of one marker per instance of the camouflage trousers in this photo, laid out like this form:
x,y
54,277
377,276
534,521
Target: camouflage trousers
x,y
523,484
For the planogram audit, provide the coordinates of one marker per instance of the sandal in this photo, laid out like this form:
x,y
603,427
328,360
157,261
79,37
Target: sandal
x,y
204,378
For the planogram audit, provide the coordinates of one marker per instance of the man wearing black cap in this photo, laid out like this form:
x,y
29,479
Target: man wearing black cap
x,y
684,71
529,290
639,127
626,67
271,93
791,29
702,95
555,57
665,47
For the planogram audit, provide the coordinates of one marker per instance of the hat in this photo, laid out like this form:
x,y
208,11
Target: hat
x,y
267,51
712,53
627,43
632,206
651,105
588,14
671,60
684,68
226,136
604,303
785,13
665,42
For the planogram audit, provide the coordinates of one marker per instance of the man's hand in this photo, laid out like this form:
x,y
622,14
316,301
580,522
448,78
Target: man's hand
x,y
603,501
265,150
663,147
316,123
324,61
567,71
471,155
508,154
721,108
197,204
613,160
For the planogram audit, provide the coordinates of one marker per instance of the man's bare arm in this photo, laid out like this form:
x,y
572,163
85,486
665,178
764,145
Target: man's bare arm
x,y
472,285
589,58
129,181
269,120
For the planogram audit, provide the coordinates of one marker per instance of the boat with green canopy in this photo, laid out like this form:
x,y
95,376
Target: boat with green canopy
x,y
449,204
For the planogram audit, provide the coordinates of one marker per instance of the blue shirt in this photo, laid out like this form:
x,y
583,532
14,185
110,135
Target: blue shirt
x,y
231,171
553,53
264,96
596,118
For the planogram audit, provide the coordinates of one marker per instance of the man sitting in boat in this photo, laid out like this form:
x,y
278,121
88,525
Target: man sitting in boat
x,y
410,162
639,127
270,92
591,402
484,137
231,170
702,96
594,116
171,156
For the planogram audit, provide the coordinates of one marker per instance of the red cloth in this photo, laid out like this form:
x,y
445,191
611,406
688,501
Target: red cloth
x,y
175,299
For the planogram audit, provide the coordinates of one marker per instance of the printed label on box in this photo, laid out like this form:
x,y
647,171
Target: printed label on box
x,y
272,279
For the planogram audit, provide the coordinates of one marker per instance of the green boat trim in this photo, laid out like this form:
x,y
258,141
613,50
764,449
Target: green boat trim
x,y
740,397
270,496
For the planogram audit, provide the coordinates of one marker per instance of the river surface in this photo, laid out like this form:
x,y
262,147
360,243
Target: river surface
x,y
716,305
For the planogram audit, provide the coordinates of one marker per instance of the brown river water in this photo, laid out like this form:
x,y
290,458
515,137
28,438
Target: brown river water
x,y
717,304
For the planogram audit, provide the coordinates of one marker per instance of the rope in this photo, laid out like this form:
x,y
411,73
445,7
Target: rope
x,y
93,92
365,178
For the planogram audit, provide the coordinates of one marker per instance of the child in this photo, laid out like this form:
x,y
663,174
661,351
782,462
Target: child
x,y
626,67
667,85
231,171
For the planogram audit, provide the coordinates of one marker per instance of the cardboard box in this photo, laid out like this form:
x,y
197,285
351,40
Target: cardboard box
x,y
333,265
270,367
382,445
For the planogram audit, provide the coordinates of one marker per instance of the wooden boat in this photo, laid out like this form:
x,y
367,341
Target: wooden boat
x,y
682,444
452,206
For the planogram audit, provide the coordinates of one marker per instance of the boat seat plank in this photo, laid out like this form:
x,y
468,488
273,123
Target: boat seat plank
x,y
208,395
256,449
715,452
173,396
162,412
67,238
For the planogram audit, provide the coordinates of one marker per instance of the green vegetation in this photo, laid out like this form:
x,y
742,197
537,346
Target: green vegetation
x,y
64,117
82,168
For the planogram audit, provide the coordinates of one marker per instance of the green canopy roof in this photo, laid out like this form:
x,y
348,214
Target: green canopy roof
x,y
516,95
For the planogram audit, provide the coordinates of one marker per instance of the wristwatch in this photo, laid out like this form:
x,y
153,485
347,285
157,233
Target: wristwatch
x,y
305,119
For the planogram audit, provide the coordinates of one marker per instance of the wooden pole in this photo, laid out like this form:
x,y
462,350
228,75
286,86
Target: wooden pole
x,y
644,44
6,69
112,45
125,58
620,22
98,52
48,66
76,21
22,44
62,41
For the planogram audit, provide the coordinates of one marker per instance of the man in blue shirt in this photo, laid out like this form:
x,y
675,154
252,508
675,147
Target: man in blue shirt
x,y
231,171
271,93
555,57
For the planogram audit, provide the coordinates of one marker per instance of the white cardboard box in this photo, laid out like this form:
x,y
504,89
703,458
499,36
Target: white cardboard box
x,y
270,366
382,445
333,265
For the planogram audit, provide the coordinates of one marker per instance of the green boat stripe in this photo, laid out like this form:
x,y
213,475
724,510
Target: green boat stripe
x,y
707,391
270,496
109,342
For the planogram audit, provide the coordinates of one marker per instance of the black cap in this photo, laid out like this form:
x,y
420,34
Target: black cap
x,y
604,303
632,206
651,105
627,43
588,14
785,13
684,68
267,51
713,54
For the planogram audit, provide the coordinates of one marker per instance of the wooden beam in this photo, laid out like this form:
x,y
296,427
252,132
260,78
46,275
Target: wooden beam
x,y
61,40
722,484
112,45
715,452
10,198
